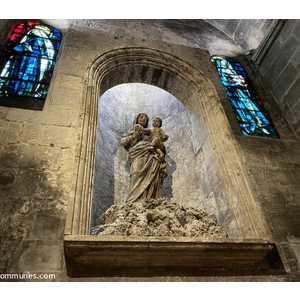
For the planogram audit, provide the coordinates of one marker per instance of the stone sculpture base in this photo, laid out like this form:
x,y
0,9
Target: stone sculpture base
x,y
158,217
162,256
153,237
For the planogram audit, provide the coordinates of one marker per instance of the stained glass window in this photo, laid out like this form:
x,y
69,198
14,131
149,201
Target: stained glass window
x,y
28,60
251,115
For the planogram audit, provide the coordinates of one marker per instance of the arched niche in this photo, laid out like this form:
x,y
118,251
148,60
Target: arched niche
x,y
190,165
239,212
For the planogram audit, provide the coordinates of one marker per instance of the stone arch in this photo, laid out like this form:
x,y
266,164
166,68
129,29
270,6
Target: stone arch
x,y
188,84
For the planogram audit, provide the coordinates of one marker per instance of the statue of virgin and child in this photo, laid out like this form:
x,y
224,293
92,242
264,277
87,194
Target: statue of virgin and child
x,y
145,212
147,157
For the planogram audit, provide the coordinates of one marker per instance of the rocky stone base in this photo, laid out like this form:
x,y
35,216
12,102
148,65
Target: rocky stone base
x,y
158,217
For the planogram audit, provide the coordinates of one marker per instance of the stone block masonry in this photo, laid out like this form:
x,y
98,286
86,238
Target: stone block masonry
x,y
280,71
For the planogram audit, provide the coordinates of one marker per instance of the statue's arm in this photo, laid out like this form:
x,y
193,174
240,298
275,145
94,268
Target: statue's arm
x,y
146,131
164,136
127,140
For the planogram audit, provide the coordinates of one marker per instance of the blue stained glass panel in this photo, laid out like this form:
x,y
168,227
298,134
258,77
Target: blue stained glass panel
x,y
248,108
28,60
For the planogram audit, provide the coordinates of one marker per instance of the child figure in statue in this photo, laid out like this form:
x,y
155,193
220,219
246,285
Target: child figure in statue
x,y
157,137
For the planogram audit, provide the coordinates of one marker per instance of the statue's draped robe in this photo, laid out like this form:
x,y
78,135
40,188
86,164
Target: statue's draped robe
x,y
146,171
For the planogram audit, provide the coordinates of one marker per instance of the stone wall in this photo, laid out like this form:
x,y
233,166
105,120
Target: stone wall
x,y
280,71
37,177
40,151
273,169
273,166
276,178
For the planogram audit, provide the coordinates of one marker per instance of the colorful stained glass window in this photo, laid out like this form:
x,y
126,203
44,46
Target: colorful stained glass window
x,y
27,62
251,115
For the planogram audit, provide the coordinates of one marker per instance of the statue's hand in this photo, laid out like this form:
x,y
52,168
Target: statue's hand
x,y
162,160
163,165
138,128
165,137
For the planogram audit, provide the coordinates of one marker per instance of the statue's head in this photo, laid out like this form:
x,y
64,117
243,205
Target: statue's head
x,y
157,122
141,119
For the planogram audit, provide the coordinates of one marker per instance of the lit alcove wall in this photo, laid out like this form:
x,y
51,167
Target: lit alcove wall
x,y
188,170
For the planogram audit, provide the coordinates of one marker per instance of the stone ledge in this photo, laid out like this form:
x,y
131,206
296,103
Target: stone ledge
x,y
107,256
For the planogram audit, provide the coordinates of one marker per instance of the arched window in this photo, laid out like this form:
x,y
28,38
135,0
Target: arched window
x,y
251,115
27,62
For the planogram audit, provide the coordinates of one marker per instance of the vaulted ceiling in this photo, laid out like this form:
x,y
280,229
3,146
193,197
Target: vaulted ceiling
x,y
227,36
